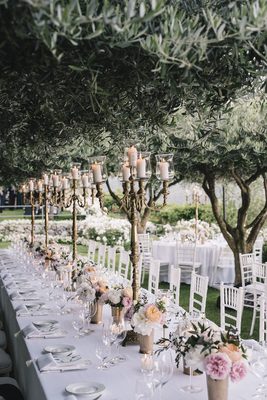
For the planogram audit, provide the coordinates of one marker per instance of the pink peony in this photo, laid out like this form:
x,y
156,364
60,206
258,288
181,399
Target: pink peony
x,y
127,302
218,366
238,371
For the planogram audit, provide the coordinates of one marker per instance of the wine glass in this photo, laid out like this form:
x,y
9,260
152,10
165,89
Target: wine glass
x,y
162,369
144,388
89,310
259,368
103,352
118,334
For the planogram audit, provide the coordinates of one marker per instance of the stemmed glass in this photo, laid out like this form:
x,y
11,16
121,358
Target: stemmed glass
x,y
144,388
118,334
89,312
103,353
186,325
162,369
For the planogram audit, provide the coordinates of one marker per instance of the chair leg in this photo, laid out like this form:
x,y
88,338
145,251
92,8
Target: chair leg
x,y
254,316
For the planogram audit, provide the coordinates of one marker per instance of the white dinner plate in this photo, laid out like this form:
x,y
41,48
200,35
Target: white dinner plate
x,y
59,348
45,323
89,389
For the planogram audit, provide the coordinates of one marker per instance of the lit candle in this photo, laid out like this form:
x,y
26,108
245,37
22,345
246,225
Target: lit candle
x,y
23,189
132,156
97,175
65,183
85,180
46,179
40,186
141,167
147,363
75,172
31,185
164,170
125,173
55,179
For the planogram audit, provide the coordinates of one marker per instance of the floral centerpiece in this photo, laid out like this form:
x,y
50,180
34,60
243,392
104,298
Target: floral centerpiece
x,y
145,318
118,296
220,355
86,292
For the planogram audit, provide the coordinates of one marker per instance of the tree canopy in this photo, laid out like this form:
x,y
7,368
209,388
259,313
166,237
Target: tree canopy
x,y
80,71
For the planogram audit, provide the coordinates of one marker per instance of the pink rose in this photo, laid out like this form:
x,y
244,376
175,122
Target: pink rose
x,y
127,302
238,371
218,366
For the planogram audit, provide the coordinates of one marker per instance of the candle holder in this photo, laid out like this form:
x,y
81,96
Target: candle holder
x,y
98,173
135,171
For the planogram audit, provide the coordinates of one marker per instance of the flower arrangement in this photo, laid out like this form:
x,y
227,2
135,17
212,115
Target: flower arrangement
x,y
147,316
118,296
100,286
219,354
86,292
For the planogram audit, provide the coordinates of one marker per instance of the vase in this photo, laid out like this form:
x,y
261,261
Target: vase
x,y
117,314
217,389
146,343
97,318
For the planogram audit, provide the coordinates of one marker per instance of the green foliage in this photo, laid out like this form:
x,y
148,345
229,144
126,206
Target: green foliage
x,y
111,237
173,213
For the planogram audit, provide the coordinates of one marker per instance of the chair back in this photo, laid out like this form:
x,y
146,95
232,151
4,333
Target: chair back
x,y
263,319
186,256
124,263
260,274
231,301
198,292
175,282
111,258
101,255
247,262
144,243
257,250
153,280
92,246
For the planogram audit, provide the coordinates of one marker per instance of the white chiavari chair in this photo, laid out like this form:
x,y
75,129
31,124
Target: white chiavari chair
x,y
153,280
186,258
92,246
198,293
124,263
231,306
263,319
101,254
175,282
111,258
146,250
225,261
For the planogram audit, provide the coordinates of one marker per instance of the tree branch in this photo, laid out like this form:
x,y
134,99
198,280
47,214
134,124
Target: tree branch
x,y
117,199
259,221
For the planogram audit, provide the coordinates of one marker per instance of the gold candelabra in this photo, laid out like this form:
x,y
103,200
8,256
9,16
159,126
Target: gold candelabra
x,y
134,172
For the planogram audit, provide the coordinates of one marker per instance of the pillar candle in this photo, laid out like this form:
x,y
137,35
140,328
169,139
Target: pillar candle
x,y
132,156
75,173
97,175
141,167
40,186
65,183
31,186
164,170
55,178
125,173
46,179
85,180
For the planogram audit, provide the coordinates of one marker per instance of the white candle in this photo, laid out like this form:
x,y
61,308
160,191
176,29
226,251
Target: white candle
x,y
125,173
46,179
55,179
164,170
40,186
97,175
75,173
141,167
132,156
31,186
23,188
65,183
85,180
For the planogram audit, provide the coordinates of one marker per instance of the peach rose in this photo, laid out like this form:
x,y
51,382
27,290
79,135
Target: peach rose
x,y
103,287
127,292
233,352
153,314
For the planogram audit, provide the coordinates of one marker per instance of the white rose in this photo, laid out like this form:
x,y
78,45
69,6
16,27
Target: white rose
x,y
114,296
194,358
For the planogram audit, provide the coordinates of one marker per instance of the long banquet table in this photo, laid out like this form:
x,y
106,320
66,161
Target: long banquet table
x,y
119,380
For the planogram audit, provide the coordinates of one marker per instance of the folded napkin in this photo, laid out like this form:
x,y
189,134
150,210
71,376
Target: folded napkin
x,y
47,362
31,294
30,331
24,310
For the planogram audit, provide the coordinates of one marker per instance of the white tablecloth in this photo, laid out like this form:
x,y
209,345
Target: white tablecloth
x,y
207,254
119,380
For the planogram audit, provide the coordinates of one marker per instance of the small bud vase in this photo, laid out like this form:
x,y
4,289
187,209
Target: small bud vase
x,y
217,389
97,318
146,343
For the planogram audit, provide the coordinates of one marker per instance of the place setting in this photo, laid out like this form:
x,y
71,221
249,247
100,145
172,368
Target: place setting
x,y
33,309
45,329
